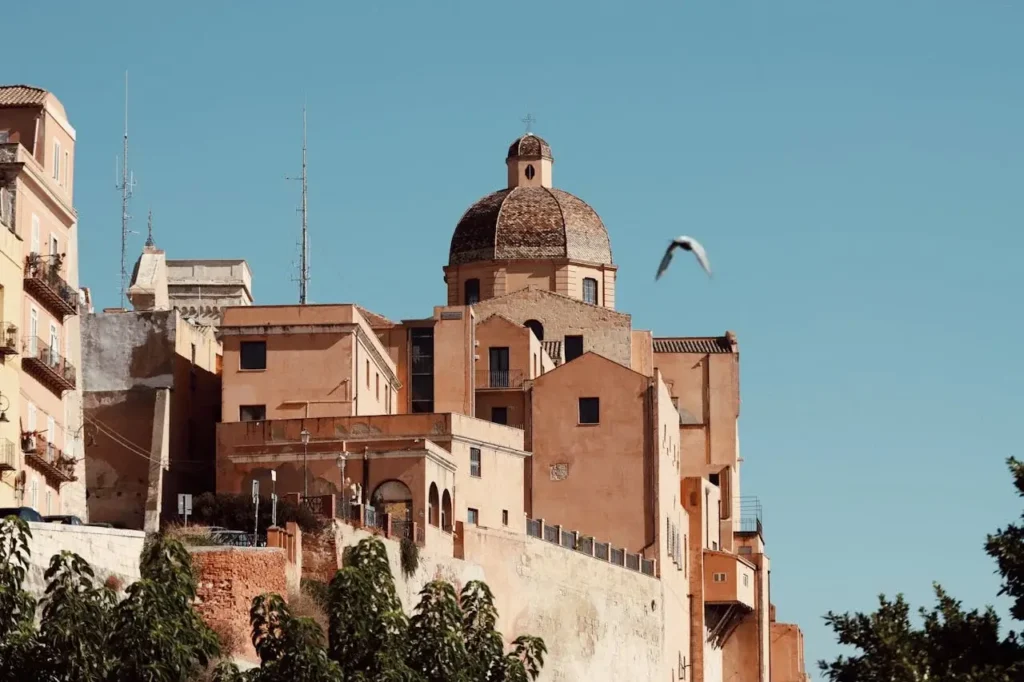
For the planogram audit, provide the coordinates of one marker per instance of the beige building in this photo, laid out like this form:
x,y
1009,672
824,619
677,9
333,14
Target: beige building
x,y
41,317
527,410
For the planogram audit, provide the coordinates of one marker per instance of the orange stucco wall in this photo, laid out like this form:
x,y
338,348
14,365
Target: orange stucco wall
x,y
594,478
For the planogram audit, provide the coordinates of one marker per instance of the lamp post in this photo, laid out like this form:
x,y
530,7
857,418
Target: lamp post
x,y
342,487
305,451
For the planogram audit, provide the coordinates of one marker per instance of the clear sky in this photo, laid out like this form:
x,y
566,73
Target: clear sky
x,y
855,170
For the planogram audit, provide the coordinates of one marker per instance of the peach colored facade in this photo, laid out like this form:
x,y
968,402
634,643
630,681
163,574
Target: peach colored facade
x,y
530,406
41,315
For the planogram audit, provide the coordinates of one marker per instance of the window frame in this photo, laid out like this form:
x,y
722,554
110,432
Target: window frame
x,y
579,411
504,517
478,453
241,356
465,291
720,577
56,160
596,290
242,408
473,516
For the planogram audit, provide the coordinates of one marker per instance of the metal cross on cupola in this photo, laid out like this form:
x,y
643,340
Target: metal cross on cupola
x,y
528,121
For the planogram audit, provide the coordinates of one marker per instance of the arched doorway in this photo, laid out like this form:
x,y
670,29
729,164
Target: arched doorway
x,y
433,507
446,511
536,327
393,498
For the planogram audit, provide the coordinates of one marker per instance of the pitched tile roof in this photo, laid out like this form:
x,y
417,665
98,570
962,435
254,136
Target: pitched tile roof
x,y
554,350
22,96
530,222
374,319
693,344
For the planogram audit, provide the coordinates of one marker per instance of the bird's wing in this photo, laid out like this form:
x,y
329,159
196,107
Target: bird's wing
x,y
702,256
665,260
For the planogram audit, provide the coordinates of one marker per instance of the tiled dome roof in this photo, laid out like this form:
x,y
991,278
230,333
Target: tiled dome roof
x,y
529,145
530,222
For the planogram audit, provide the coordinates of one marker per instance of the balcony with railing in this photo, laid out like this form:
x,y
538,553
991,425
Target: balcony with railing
x,y
8,338
47,366
750,516
8,455
48,458
44,283
499,379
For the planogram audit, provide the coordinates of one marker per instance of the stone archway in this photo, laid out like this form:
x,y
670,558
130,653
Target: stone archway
x,y
536,327
394,498
433,507
446,512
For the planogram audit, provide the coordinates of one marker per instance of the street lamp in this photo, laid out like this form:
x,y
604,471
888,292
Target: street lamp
x,y
342,487
305,451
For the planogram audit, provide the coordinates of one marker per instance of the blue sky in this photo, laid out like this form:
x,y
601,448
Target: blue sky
x,y
854,170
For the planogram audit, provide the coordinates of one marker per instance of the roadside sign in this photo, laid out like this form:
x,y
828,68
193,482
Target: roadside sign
x,y
273,509
185,505
255,491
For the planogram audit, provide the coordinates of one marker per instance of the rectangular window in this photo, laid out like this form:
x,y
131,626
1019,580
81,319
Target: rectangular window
x,y
5,136
473,516
252,355
573,347
34,244
498,373
56,160
499,415
34,494
67,167
33,332
504,517
367,373
378,386
746,580
590,410
719,577
472,293
474,462
252,413
422,372
590,290
54,245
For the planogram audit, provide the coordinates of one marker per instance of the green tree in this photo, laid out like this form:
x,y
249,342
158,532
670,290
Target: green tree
x,y
17,607
368,629
71,645
949,644
437,648
485,650
157,636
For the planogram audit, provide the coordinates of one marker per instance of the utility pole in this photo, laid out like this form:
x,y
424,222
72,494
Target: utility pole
x,y
126,185
304,246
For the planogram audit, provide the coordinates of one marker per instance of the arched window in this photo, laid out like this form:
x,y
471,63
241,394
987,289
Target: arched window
x,y
536,327
433,506
472,291
446,512
394,498
590,290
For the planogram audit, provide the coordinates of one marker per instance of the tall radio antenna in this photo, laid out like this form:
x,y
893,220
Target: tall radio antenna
x,y
304,255
126,184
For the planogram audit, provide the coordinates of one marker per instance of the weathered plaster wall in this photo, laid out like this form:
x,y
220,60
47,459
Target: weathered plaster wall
x,y
109,551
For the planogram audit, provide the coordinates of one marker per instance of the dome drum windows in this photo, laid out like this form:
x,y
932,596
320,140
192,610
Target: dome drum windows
x,y
530,172
590,290
472,291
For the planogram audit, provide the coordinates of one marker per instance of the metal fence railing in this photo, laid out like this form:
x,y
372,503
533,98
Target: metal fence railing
x,y
585,544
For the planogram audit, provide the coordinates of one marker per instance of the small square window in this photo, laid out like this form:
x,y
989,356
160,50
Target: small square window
x,y
504,517
252,355
252,413
473,516
719,577
474,462
590,410
499,415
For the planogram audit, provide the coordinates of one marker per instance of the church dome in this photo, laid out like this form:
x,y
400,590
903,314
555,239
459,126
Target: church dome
x,y
530,223
529,145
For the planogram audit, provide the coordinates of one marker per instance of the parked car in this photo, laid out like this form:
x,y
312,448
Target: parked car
x,y
232,538
23,513
66,520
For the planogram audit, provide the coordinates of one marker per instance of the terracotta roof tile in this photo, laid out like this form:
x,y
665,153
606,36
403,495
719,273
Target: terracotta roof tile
x,y
554,350
373,319
530,222
706,344
529,145
22,96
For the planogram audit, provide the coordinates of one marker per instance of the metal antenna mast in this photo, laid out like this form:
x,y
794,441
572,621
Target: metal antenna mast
x,y
126,185
304,256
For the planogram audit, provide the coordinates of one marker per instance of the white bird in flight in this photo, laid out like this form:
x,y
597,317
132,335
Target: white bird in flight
x,y
686,244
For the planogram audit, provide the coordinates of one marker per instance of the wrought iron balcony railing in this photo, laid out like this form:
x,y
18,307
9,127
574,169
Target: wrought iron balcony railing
x,y
8,338
47,365
48,458
8,456
44,283
499,378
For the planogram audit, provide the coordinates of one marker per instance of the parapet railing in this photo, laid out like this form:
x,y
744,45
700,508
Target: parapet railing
x,y
584,544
